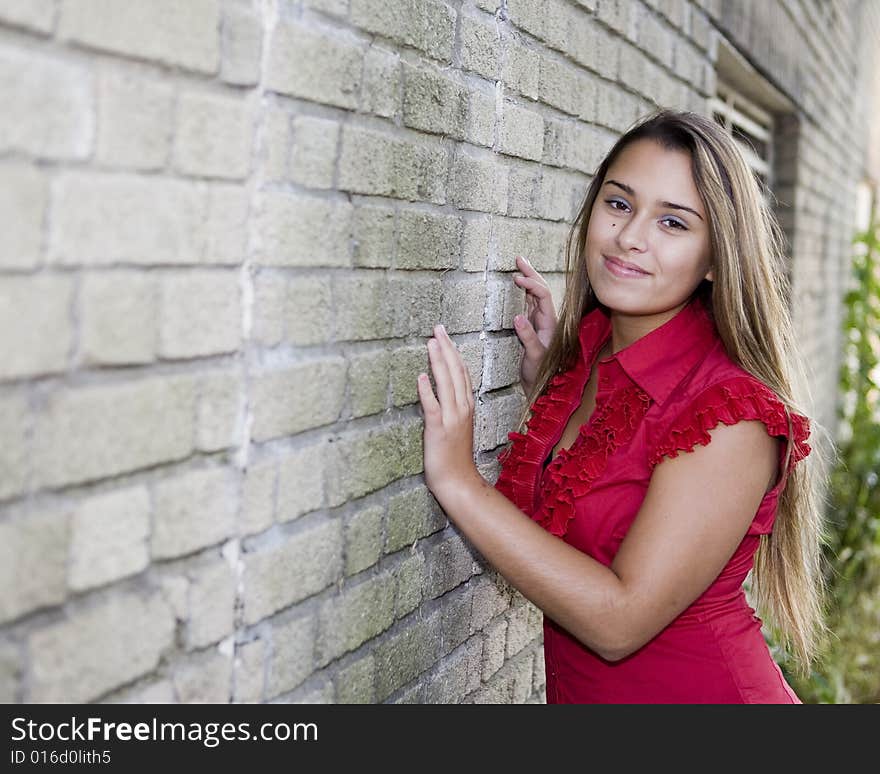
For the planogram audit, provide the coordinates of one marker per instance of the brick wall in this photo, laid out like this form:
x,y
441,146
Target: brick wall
x,y
228,229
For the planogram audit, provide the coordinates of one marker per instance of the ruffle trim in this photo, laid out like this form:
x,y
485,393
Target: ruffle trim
x,y
517,476
573,471
730,402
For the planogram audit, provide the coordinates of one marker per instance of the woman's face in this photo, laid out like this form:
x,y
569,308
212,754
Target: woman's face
x,y
648,213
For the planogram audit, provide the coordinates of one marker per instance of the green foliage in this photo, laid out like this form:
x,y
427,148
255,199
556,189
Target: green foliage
x,y
849,671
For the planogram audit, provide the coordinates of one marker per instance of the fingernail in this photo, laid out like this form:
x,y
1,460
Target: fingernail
x,y
517,321
442,329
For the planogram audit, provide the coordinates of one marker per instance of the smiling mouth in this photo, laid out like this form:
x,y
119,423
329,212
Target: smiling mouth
x,y
620,269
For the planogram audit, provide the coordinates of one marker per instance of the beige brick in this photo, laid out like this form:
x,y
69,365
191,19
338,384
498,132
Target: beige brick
x,y
15,419
355,682
146,692
23,199
491,598
480,46
258,496
35,320
300,482
192,511
368,381
100,219
213,136
94,432
313,154
320,694
118,312
518,630
200,313
372,162
204,678
367,460
313,64
433,102
406,364
522,69
549,21
456,676
33,559
456,617
503,357
319,389
581,42
495,420
567,88
355,616
475,242
494,647
249,672
428,25
175,592
221,233
406,655
294,568
480,183
308,315
10,672
270,300
134,119
109,537
416,305
363,539
299,230
274,144
521,132
511,684
292,660
333,7
428,240
37,15
102,646
480,126
380,89
166,31
450,564
48,106
571,144
410,576
242,44
373,233
539,675
363,306
211,604
462,306
219,410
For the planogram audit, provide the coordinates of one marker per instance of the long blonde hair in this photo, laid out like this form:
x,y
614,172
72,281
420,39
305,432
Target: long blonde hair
x,y
748,302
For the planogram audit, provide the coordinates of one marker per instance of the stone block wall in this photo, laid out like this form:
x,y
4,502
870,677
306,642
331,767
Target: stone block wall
x,y
229,227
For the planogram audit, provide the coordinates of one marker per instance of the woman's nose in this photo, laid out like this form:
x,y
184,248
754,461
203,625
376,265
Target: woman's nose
x,y
631,233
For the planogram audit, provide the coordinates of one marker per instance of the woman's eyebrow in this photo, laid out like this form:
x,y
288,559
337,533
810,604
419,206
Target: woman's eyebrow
x,y
662,204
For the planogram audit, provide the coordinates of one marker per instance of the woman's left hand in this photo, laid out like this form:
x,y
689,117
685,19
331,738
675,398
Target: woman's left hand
x,y
449,421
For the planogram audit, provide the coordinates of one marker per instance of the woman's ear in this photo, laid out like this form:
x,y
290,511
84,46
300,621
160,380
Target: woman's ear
x,y
710,276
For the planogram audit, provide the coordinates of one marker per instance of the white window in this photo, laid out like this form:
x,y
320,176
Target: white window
x,y
750,126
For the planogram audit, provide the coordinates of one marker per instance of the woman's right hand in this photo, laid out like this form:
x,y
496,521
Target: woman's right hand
x,y
535,329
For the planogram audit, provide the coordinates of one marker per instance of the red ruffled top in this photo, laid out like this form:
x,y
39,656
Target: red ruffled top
x,y
657,397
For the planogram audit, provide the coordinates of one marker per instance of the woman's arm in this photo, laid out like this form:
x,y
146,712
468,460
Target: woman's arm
x,y
695,513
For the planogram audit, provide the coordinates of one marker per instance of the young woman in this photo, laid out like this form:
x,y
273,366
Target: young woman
x,y
659,459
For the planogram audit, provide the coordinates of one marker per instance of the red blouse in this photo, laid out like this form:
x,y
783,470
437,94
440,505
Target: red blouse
x,y
657,397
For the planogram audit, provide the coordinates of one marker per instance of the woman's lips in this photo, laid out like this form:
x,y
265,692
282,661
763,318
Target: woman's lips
x,y
619,270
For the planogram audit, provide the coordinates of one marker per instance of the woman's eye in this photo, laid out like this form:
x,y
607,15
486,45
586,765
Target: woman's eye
x,y
615,201
675,223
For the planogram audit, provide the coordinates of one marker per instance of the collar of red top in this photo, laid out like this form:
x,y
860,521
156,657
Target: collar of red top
x,y
659,360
